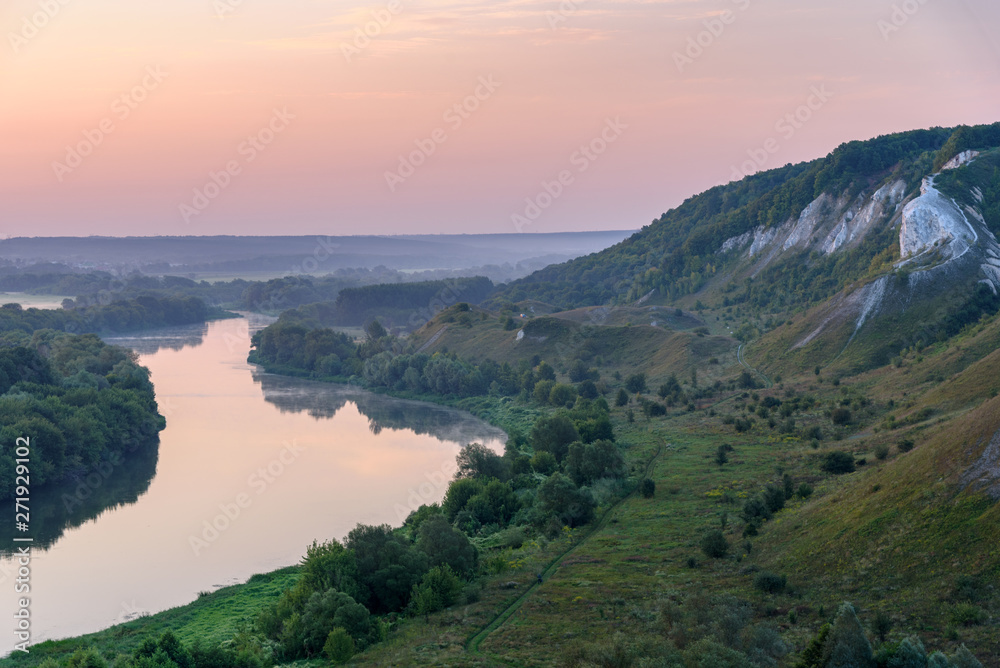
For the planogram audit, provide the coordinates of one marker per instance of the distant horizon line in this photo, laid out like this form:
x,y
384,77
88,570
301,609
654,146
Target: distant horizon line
x,y
302,236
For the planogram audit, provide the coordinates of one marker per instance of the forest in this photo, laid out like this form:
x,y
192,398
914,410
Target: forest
x,y
395,305
127,315
677,253
81,402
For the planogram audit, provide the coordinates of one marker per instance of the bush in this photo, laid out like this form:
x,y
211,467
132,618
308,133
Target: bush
x,y
805,490
636,383
438,589
905,445
770,583
838,462
840,416
714,545
544,462
622,398
648,488
339,646
966,614
881,451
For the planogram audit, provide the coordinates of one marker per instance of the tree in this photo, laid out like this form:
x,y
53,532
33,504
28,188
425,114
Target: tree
x,y
544,462
446,545
647,488
840,415
881,625
721,458
478,461
546,372
622,398
963,658
562,395
560,497
438,590
909,654
554,434
636,383
847,645
714,544
590,462
339,646
458,495
838,462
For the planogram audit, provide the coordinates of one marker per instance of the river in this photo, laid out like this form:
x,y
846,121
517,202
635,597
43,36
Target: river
x,y
250,469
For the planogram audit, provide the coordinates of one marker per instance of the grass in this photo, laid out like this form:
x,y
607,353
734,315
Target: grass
x,y
212,618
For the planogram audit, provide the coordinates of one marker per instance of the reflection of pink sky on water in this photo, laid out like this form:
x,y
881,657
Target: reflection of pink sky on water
x,y
220,434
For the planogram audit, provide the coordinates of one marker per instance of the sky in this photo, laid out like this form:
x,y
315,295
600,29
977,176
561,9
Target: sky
x,y
253,117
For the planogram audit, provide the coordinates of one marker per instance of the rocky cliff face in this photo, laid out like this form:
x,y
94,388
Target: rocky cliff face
x,y
941,244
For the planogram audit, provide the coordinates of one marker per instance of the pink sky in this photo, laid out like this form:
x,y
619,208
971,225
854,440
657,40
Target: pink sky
x,y
338,120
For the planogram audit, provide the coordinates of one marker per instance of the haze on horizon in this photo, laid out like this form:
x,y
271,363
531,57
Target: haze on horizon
x,y
333,110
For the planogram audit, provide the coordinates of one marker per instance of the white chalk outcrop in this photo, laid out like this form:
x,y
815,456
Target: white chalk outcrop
x,y
960,160
853,226
933,221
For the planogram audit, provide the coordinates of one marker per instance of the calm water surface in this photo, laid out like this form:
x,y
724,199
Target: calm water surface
x,y
272,462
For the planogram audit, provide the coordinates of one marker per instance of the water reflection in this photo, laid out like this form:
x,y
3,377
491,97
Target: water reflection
x,y
322,401
56,508
171,338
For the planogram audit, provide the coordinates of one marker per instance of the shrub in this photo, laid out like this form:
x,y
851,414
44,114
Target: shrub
x,y
648,488
544,462
881,451
622,398
636,383
847,644
838,462
339,646
805,490
905,445
770,583
840,415
966,614
714,545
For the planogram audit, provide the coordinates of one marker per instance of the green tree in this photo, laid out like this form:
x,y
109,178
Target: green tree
x,y
838,462
847,646
339,646
909,654
445,545
544,462
636,383
622,398
478,461
558,496
714,544
438,590
554,434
